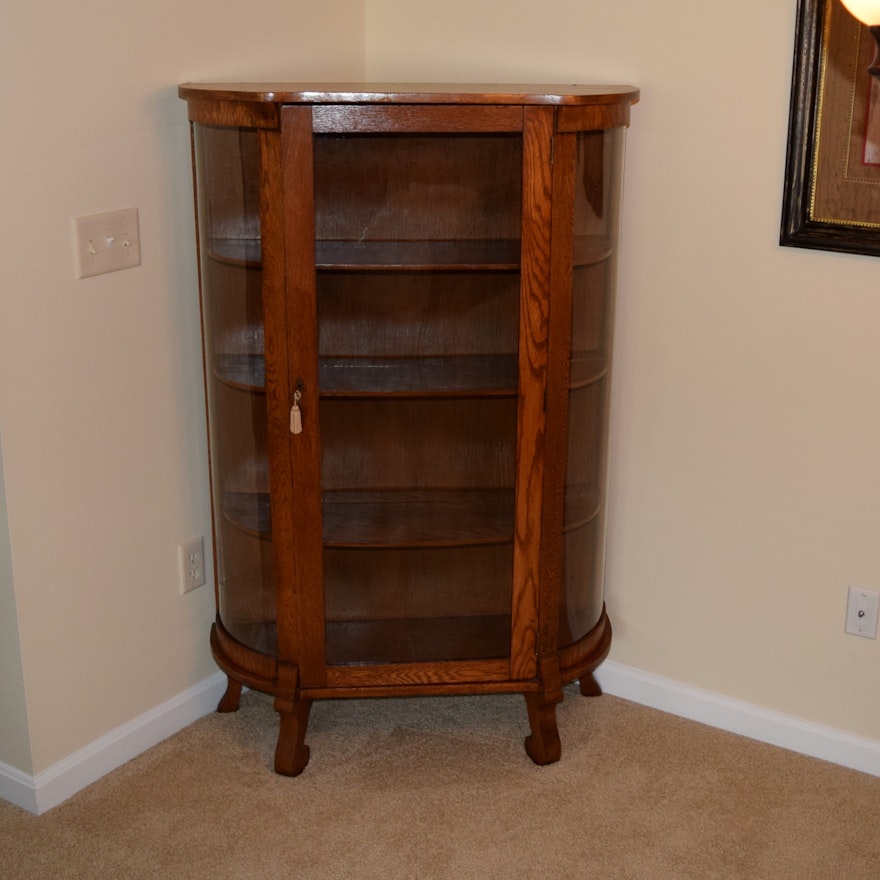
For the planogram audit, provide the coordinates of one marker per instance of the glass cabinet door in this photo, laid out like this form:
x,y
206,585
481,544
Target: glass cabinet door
x,y
418,290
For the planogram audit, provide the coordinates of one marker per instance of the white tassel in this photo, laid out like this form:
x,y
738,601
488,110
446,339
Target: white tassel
x,y
296,425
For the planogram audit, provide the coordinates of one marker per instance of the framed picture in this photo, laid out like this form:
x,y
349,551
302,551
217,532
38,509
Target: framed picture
x,y
832,174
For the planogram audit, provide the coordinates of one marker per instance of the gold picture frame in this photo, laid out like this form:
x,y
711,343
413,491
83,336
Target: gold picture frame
x,y
832,175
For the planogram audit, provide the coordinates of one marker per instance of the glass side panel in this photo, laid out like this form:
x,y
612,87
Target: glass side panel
x,y
596,219
227,177
418,310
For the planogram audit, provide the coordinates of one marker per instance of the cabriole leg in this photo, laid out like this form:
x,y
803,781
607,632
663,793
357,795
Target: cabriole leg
x,y
230,700
589,686
291,753
543,745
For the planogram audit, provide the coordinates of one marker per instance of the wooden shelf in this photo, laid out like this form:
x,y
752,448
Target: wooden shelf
x,y
422,640
422,256
427,518
390,518
462,375
494,255
236,251
250,512
583,502
244,371
586,368
589,249
260,635
414,518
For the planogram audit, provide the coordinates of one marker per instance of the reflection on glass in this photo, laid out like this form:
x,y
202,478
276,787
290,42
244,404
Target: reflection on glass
x,y
232,312
596,205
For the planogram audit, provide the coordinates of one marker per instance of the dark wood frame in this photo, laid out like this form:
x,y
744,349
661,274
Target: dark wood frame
x,y
800,225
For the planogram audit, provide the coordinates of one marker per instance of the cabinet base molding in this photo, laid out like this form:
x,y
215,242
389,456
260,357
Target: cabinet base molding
x,y
293,700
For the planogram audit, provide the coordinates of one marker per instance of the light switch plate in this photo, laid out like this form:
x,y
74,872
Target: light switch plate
x,y
107,242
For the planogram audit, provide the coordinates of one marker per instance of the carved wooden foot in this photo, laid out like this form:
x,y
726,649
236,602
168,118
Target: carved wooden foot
x,y
229,702
589,686
291,753
543,745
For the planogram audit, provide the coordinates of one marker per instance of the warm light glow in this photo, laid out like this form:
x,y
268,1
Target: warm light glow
x,y
866,11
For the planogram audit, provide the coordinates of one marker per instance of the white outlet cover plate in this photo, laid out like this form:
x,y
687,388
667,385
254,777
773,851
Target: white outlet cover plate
x,y
107,242
862,609
191,564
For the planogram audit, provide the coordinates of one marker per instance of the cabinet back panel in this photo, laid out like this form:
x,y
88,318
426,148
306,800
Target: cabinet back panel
x,y
413,313
586,412
418,187
412,583
597,186
234,307
422,443
418,652
239,445
229,185
589,308
583,582
245,575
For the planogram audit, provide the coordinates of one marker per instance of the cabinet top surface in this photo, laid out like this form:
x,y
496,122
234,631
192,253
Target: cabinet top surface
x,y
409,93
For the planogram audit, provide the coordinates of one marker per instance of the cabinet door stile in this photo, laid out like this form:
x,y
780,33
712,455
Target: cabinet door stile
x,y
534,308
275,350
304,602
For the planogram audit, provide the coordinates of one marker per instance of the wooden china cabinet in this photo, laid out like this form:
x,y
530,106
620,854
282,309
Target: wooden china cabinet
x,y
407,304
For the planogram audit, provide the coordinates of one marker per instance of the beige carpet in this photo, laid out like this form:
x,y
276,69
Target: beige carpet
x,y
441,788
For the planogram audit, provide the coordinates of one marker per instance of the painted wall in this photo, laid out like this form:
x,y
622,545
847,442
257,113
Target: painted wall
x,y
745,491
13,717
101,405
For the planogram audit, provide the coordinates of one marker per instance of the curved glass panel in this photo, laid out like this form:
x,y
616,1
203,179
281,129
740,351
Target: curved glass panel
x,y
597,199
227,179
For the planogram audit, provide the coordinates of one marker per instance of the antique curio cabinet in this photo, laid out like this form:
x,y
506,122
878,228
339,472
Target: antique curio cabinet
x,y
407,305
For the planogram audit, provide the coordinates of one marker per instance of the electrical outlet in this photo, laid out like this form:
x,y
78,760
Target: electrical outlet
x,y
107,242
191,564
862,607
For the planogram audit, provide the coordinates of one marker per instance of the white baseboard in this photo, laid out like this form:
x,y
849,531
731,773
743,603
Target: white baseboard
x,y
775,728
47,789
40,793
